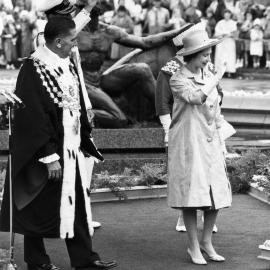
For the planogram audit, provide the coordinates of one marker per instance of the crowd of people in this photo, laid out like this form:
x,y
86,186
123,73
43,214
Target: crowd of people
x,y
244,25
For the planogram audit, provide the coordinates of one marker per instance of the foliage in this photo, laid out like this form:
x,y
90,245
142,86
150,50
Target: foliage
x,y
153,174
150,174
241,170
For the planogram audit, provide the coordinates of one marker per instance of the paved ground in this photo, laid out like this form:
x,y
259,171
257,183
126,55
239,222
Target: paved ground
x,y
141,236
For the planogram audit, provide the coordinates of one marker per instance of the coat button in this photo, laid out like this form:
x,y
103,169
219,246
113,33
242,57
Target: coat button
x,y
209,139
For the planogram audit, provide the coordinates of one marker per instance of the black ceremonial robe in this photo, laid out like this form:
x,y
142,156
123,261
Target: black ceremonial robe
x,y
38,132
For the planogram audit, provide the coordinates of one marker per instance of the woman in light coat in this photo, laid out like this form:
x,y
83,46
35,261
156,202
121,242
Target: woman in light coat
x,y
226,29
197,177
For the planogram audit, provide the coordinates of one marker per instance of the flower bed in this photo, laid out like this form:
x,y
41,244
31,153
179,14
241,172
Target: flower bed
x,y
241,168
150,181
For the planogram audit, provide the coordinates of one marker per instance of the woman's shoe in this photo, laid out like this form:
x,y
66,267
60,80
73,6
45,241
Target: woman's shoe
x,y
213,257
180,226
201,261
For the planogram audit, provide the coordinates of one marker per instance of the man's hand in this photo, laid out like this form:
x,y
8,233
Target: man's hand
x,y
54,170
90,115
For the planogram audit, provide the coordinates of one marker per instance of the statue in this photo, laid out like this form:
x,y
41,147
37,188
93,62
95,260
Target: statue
x,y
123,92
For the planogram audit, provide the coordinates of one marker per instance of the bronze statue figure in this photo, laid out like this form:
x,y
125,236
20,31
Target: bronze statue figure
x,y
122,92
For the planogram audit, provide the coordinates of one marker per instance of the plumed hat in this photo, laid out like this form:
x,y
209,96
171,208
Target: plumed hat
x,y
60,7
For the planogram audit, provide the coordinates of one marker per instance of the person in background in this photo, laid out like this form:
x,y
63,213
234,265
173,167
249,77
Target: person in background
x,y
157,18
9,37
123,20
27,27
2,58
196,172
177,20
218,6
192,13
164,98
244,36
138,16
256,43
226,29
266,27
232,6
242,7
210,22
203,5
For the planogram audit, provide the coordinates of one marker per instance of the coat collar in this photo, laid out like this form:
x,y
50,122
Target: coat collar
x,y
50,58
188,74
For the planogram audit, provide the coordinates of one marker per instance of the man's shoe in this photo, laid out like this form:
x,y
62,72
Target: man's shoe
x,y
99,265
48,266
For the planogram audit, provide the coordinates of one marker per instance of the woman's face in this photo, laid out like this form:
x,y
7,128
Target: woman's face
x,y
249,16
227,15
202,58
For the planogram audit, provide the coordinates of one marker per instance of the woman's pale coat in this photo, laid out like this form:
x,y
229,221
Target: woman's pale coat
x,y
196,163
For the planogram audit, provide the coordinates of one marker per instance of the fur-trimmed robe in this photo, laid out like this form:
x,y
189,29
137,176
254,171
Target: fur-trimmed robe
x,y
41,129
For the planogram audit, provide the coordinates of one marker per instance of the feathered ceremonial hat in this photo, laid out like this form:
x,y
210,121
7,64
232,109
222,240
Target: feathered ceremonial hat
x,y
54,6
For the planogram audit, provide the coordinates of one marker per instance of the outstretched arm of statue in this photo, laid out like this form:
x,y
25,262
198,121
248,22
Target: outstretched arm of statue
x,y
149,41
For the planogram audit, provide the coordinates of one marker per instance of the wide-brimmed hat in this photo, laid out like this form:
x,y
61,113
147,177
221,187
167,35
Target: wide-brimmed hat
x,y
197,41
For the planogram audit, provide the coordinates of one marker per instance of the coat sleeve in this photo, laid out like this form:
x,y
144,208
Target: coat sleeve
x,y
181,89
87,144
163,95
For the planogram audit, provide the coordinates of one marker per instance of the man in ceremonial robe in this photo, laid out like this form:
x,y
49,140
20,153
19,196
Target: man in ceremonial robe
x,y
51,137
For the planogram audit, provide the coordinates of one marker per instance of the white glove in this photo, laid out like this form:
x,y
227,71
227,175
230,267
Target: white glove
x,y
224,149
166,120
221,69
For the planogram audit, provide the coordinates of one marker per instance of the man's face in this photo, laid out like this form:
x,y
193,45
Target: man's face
x,y
157,4
121,14
67,42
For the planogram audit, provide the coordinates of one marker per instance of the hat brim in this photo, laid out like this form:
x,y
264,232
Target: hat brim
x,y
210,43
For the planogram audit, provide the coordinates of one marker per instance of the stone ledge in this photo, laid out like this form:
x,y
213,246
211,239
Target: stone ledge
x,y
143,138
133,193
259,194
